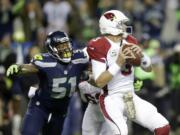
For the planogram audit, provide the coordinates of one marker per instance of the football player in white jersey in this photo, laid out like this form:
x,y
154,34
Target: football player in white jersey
x,y
93,120
115,76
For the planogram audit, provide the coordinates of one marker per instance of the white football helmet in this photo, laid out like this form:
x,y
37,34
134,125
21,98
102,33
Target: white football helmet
x,y
113,22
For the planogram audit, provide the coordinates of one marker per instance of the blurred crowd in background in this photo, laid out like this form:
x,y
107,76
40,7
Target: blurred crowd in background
x,y
23,28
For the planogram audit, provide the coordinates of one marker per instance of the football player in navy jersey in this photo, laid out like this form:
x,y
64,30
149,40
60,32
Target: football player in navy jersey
x,y
59,72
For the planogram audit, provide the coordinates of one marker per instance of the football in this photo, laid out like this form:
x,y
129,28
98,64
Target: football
x,y
136,61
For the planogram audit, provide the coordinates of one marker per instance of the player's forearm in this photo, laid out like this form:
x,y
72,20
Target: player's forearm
x,y
103,79
16,69
27,68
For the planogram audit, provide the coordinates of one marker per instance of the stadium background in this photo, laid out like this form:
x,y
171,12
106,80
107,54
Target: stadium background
x,y
24,24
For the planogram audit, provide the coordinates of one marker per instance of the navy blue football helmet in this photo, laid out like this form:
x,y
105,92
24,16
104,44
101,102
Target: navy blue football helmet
x,y
59,46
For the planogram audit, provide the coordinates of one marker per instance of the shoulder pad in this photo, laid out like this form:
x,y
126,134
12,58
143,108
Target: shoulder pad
x,y
43,60
131,39
79,56
98,48
80,53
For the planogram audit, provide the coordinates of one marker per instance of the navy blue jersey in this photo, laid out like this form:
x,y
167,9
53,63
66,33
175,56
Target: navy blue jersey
x,y
58,81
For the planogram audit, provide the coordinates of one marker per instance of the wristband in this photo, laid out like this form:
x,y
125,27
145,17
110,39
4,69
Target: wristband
x,y
145,61
113,69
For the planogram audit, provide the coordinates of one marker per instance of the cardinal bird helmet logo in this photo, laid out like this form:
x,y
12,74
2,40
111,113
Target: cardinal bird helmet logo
x,y
110,16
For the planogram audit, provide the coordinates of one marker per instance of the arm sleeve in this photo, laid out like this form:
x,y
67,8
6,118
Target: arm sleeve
x,y
38,61
132,39
95,55
98,49
97,68
34,62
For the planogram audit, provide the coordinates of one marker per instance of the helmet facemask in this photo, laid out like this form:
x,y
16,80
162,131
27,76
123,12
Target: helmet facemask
x,y
124,27
64,52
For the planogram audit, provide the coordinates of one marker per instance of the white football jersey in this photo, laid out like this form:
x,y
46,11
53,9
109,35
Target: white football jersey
x,y
103,53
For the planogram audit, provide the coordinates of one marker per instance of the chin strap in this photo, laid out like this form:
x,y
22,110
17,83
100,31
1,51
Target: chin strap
x,y
162,130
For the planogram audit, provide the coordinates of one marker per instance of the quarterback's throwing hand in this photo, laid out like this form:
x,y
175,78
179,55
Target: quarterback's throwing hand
x,y
123,55
137,50
12,70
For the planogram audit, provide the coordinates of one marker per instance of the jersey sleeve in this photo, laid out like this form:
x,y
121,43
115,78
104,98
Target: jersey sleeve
x,y
80,56
41,62
132,39
38,58
97,49
98,68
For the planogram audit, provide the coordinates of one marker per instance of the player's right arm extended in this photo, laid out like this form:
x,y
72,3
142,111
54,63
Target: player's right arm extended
x,y
17,69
